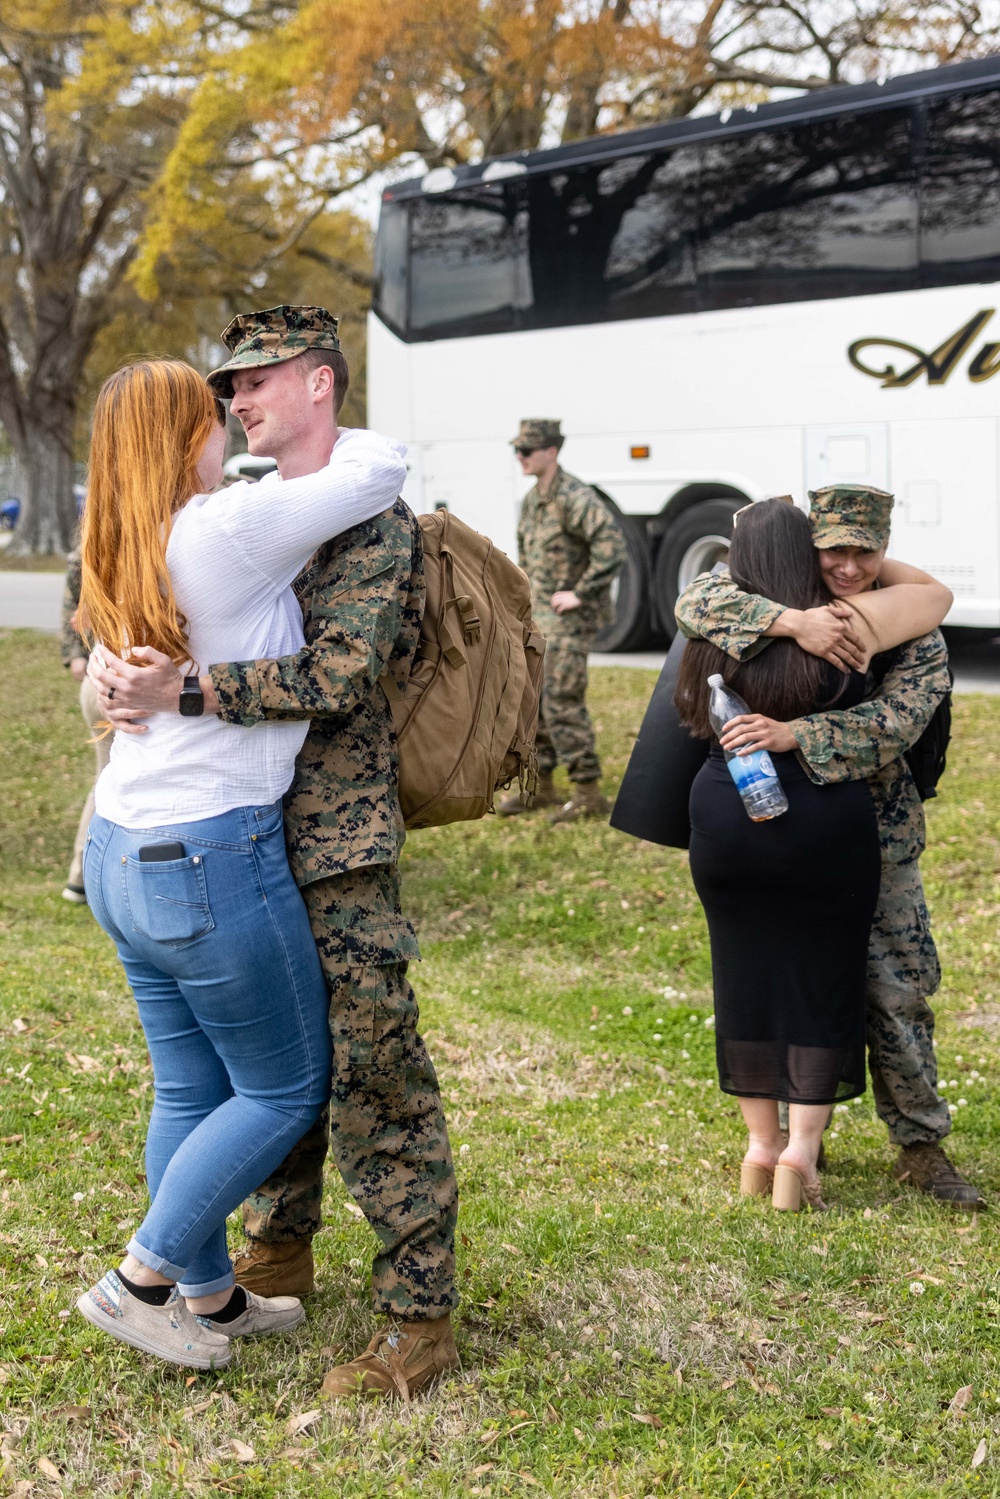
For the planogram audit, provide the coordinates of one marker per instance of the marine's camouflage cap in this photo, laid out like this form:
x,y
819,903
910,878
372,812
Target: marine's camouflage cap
x,y
850,515
259,338
537,432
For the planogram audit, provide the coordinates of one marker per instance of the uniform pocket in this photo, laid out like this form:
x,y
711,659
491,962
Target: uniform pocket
x,y
168,901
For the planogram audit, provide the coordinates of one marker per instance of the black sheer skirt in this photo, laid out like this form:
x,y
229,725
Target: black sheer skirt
x,y
790,905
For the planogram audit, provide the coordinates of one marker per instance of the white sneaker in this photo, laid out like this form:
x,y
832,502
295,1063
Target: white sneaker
x,y
169,1332
264,1314
76,894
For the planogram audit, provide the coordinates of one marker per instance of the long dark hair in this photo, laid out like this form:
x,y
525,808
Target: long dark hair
x,y
771,554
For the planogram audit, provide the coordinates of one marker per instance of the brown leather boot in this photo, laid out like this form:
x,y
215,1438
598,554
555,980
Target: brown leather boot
x,y
545,796
401,1361
586,801
927,1167
276,1269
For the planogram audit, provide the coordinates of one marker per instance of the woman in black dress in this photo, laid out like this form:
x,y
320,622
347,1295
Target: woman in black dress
x,y
789,901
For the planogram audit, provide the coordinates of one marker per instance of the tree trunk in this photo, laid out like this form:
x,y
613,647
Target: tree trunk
x,y
48,509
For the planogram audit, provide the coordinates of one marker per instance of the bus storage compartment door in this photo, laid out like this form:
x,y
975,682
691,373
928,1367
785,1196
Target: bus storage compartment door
x,y
693,543
945,519
856,453
631,627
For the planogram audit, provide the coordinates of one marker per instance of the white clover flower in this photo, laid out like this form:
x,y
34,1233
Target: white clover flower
x,y
640,929
917,1288
710,1022
959,1057
659,1020
840,1108
570,911
942,1085
963,1103
952,1109
953,1083
77,1196
657,1036
626,1009
686,1055
593,1027
464,1149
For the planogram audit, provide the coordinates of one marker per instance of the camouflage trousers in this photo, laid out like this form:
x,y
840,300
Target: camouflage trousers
x,y
903,971
565,732
386,1122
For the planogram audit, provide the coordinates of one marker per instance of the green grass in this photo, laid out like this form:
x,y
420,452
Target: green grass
x,y
629,1327
48,563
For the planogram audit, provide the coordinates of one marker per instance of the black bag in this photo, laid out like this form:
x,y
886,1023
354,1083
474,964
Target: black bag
x,y
653,800
928,757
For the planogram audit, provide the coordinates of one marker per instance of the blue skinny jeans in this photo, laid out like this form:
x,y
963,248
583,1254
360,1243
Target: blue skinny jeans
x,y
217,949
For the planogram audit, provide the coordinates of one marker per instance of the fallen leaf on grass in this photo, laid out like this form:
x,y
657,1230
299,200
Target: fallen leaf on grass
x,y
727,1384
960,1400
831,1410
488,1438
354,1210
979,1456
49,1469
825,1443
295,1424
483,1468
92,1138
11,1139
511,1248
74,1412
23,1490
242,1451
646,1419
528,1479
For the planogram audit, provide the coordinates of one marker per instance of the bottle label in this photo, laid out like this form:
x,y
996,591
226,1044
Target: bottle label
x,y
751,770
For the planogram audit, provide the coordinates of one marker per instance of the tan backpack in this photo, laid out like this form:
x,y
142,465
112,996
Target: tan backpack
x,y
466,719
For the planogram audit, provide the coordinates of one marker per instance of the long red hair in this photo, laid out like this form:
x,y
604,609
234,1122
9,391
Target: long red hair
x,y
151,423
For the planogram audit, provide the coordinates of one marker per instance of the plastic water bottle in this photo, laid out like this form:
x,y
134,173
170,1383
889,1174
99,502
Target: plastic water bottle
x,y
755,776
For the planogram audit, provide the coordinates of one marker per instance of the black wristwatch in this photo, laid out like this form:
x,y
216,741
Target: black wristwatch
x,y
192,703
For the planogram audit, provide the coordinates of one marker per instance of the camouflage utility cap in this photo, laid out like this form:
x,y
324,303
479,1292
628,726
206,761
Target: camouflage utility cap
x,y
538,432
259,338
850,515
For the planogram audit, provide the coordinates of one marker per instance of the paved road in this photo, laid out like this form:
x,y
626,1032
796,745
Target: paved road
x,y
33,600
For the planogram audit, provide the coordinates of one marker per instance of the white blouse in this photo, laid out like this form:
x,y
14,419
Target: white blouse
x,y
232,556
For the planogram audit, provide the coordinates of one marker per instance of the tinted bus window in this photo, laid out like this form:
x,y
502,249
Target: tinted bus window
x,y
821,210
960,191
389,291
468,259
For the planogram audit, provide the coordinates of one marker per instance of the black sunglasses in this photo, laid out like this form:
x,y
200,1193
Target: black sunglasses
x,y
526,452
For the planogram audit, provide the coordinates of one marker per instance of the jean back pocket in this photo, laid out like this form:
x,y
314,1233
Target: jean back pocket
x,y
168,901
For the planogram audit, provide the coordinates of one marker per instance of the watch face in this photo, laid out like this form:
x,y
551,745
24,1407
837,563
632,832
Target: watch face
x,y
192,702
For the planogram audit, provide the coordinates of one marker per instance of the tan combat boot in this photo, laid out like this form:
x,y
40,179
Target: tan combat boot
x,y
586,801
276,1269
401,1361
545,796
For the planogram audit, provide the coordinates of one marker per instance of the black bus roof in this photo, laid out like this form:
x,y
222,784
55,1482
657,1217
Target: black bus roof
x,y
906,89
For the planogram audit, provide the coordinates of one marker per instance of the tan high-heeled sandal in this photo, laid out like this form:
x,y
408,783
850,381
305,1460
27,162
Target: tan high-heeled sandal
x,y
755,1181
791,1191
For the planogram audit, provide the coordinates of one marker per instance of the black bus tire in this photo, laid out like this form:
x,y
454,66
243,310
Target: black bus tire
x,y
697,539
631,627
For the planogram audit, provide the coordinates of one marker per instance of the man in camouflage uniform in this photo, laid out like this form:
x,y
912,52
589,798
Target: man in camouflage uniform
x,y
869,742
571,549
73,651
362,597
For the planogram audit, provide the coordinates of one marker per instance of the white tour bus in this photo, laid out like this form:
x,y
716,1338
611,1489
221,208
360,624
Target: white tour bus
x,y
717,309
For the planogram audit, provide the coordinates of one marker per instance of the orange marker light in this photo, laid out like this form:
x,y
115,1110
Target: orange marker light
x,y
638,452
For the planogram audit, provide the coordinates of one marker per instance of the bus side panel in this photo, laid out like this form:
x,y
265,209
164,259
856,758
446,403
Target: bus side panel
x,y
945,520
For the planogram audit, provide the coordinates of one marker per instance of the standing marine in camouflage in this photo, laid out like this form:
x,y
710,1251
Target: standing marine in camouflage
x,y
571,549
362,598
850,524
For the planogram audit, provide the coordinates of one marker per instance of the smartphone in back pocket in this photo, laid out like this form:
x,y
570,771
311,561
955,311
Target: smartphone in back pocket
x,y
157,853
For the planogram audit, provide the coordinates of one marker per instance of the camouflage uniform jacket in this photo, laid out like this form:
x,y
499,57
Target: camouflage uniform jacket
x,y
362,596
72,643
567,539
863,743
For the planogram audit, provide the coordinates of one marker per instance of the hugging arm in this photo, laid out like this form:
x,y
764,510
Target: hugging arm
x,y
852,743
328,677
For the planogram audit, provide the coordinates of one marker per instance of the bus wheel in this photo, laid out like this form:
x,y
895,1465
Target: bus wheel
x,y
631,627
696,541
